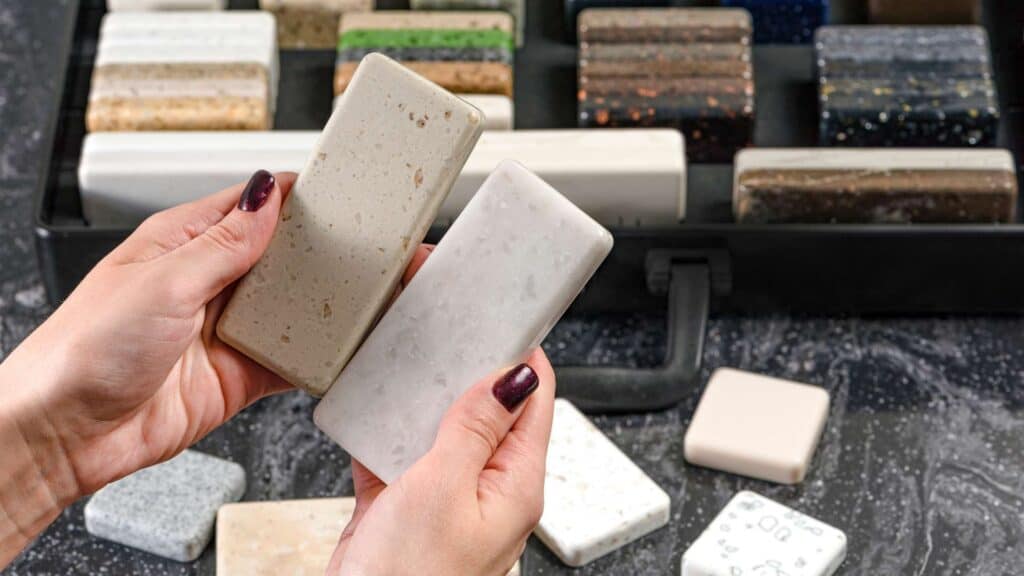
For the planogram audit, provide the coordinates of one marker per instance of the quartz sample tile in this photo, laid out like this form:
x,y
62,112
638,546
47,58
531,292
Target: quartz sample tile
x,y
596,500
311,24
184,71
294,537
467,52
126,177
517,8
665,25
168,509
893,86
500,278
156,5
784,21
756,426
876,185
924,11
755,535
365,199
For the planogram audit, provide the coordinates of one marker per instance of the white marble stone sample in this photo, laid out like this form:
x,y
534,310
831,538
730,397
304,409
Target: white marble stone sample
x,y
362,204
757,426
622,178
755,536
490,292
596,500
156,5
168,509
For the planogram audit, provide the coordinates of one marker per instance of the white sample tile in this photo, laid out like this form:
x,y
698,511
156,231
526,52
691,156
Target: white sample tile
x,y
596,500
622,178
157,5
168,509
359,209
293,537
757,426
488,295
756,536
498,110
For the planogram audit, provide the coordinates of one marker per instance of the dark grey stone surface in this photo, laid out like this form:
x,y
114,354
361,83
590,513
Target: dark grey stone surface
x,y
921,461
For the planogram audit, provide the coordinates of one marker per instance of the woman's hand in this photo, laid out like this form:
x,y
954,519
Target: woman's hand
x,y
468,506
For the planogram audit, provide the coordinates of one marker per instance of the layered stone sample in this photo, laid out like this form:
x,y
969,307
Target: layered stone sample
x,y
517,8
925,11
311,24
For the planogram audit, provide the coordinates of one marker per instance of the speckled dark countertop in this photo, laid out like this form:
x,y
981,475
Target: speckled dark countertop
x,y
922,462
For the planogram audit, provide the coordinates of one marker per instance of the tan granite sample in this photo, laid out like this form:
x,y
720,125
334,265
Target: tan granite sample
x,y
406,19
463,77
665,25
311,24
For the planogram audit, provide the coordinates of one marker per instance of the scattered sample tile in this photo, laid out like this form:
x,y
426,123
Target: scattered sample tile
x,y
168,509
517,8
464,52
500,278
877,185
784,21
365,199
757,536
498,110
126,177
683,68
184,71
924,11
891,86
156,5
596,500
756,426
294,537
311,24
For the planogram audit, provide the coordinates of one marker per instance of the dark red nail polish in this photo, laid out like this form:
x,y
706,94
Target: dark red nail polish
x,y
515,386
256,191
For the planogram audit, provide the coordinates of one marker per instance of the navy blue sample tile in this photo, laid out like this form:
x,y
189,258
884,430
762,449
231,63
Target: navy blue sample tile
x,y
906,86
784,21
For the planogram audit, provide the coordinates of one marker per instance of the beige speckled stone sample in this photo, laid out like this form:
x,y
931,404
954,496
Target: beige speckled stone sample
x,y
411,20
311,24
366,198
757,426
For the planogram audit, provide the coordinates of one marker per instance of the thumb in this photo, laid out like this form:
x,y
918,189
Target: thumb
x,y
476,424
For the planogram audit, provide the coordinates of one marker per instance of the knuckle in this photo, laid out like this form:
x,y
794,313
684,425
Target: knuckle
x,y
482,428
228,236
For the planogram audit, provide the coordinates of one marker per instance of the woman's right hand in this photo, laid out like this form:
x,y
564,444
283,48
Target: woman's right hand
x,y
467,507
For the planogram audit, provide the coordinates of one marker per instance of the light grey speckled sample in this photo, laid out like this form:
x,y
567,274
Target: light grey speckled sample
x,y
168,509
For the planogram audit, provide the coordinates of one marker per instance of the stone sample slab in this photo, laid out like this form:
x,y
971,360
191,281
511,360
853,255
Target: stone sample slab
x,y
365,199
516,8
757,426
500,278
596,500
755,535
784,21
311,24
924,11
168,509
157,5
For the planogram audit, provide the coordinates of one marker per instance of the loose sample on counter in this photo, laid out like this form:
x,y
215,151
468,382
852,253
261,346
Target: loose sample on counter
x,y
497,282
756,426
464,52
168,509
498,110
755,535
910,86
925,11
311,24
621,178
365,199
517,8
596,500
682,68
874,185
184,71
157,5
784,21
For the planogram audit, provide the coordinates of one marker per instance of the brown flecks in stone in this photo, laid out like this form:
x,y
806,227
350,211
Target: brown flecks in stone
x,y
418,177
405,242
285,339
321,156
327,312
447,114
421,122
411,116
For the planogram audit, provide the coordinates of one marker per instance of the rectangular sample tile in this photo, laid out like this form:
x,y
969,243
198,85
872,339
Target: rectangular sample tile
x,y
294,537
464,52
184,71
756,426
596,500
498,110
492,289
924,11
784,21
516,8
168,509
311,24
876,185
365,199
157,5
893,86
755,535
126,177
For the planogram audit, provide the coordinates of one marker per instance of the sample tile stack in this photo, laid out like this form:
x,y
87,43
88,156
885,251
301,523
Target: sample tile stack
x,y
157,5
311,23
517,8
574,7
688,69
925,11
464,52
184,71
784,21
887,86
876,185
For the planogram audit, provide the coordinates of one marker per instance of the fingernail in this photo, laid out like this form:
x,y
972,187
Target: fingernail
x,y
256,191
515,386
